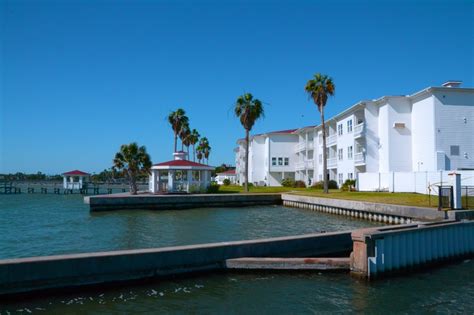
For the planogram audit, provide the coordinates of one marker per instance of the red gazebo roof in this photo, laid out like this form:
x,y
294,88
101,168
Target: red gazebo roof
x,y
181,163
76,172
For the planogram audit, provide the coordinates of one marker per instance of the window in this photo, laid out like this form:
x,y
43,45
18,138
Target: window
x,y
455,150
287,161
349,125
341,178
349,153
274,161
339,130
340,154
280,161
350,175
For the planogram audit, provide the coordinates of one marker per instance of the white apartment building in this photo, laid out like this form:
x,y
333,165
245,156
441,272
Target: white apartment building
x,y
430,130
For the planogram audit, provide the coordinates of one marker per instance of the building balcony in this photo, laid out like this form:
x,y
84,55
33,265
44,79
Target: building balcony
x,y
359,130
305,165
301,146
359,158
331,140
332,162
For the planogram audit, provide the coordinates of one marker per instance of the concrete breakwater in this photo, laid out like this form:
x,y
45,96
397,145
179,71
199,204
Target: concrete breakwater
x,y
76,270
172,202
386,213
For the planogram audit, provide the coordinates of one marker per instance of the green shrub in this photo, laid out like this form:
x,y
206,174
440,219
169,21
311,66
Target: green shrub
x,y
349,185
226,182
213,188
288,182
299,184
332,184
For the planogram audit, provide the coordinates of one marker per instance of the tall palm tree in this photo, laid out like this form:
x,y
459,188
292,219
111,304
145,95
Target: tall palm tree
x,y
199,152
319,89
193,139
248,110
206,149
177,119
183,134
132,161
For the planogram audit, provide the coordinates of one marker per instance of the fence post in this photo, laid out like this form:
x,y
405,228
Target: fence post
x,y
393,182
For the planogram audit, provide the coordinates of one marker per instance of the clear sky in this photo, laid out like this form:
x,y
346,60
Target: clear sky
x,y
80,78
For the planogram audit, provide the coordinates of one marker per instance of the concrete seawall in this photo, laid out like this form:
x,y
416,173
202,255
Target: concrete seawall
x,y
65,271
171,202
387,213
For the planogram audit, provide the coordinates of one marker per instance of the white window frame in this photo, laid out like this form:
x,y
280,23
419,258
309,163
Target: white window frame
x,y
350,152
349,126
274,161
286,161
280,161
340,129
340,178
340,154
350,175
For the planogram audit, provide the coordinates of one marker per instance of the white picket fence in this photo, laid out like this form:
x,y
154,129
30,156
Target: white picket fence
x,y
419,182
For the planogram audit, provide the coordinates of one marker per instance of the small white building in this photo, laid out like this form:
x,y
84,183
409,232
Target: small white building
x,y
179,175
74,179
229,174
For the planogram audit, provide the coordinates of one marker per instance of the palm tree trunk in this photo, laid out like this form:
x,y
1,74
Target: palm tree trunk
x,y
175,141
246,160
325,161
194,153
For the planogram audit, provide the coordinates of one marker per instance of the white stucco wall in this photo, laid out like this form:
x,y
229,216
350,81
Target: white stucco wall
x,y
423,135
372,138
400,143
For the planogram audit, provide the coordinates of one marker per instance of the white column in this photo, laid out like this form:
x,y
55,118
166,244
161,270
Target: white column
x,y
80,182
152,182
190,178
64,181
456,179
170,180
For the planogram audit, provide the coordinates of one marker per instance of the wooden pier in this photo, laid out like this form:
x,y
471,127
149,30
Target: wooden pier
x,y
11,187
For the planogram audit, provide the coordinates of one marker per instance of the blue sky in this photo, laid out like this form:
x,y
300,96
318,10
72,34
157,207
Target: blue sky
x,y
79,78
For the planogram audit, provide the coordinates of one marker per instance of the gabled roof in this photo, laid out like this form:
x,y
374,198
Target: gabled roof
x,y
77,173
228,172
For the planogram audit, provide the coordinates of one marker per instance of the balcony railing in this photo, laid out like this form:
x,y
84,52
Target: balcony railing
x,y
331,140
359,130
308,164
301,146
332,162
359,158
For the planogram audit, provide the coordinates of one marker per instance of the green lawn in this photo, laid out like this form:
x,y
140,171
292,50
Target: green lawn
x,y
407,199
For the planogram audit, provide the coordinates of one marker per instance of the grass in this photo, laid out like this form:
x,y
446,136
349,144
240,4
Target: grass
x,y
405,199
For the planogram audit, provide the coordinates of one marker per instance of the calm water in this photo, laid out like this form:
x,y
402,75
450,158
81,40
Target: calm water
x,y
41,225
37,225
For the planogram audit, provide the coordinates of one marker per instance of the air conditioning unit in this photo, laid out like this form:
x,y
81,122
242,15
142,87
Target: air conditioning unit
x,y
398,125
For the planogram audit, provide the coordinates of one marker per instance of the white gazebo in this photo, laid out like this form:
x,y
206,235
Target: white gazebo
x,y
179,175
74,179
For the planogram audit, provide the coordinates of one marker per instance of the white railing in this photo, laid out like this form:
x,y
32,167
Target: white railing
x,y
301,146
300,165
331,140
359,158
332,162
359,130
310,145
74,185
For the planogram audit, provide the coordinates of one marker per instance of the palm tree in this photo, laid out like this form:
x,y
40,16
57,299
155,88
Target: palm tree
x,y
199,152
204,149
177,119
319,89
248,110
183,134
193,139
132,161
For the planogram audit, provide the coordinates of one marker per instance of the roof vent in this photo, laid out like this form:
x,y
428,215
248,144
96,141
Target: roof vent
x,y
452,83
